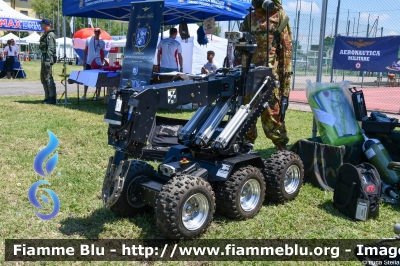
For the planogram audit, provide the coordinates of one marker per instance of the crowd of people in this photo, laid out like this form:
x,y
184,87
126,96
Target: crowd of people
x,y
169,56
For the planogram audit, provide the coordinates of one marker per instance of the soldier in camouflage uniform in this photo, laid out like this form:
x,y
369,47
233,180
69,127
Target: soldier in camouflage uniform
x,y
280,60
48,48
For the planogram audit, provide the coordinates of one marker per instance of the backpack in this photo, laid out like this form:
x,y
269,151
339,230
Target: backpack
x,y
357,192
184,30
201,36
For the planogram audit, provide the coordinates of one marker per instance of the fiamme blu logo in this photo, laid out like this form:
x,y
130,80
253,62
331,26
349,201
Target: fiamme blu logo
x,y
38,167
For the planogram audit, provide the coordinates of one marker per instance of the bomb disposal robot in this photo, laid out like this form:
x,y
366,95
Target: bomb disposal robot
x,y
212,168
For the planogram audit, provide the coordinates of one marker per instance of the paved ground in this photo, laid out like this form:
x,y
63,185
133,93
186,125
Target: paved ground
x,y
298,101
384,99
24,88
35,87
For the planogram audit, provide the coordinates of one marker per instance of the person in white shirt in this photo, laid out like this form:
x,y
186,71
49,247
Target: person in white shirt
x,y
94,49
16,48
169,53
211,66
10,53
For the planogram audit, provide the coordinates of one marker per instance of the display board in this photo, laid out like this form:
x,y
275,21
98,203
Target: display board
x,y
141,42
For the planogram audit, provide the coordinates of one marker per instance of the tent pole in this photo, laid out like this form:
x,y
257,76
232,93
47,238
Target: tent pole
x,y
65,64
58,19
320,54
336,32
19,47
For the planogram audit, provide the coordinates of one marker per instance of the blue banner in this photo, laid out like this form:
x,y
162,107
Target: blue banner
x,y
141,42
11,24
381,54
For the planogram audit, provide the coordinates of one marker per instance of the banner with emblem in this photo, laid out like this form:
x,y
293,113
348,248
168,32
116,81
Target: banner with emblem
x,y
380,54
141,42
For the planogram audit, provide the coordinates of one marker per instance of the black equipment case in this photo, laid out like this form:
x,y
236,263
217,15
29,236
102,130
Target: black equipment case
x,y
357,191
377,122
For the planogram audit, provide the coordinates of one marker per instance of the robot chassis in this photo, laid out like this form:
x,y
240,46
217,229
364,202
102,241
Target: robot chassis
x,y
212,168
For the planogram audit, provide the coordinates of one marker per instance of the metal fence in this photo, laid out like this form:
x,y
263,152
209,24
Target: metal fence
x,y
356,18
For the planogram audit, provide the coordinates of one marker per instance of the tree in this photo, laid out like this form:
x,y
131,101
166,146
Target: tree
x,y
21,34
294,42
329,41
49,9
44,8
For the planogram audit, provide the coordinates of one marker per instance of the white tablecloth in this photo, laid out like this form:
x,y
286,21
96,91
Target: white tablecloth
x,y
89,77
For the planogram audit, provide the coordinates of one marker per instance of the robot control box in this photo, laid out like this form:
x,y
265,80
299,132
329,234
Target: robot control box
x,y
255,78
377,122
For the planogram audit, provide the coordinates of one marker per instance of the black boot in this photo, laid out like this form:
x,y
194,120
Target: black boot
x,y
52,100
45,100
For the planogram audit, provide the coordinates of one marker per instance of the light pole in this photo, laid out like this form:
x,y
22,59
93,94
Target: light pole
x,y
58,20
334,40
320,53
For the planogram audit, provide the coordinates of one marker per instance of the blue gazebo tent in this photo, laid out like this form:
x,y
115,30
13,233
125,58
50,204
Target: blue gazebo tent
x,y
174,10
12,20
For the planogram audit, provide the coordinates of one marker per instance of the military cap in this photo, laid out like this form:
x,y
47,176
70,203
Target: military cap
x,y
46,21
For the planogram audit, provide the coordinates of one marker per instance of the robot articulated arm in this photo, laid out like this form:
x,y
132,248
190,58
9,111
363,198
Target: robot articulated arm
x,y
131,112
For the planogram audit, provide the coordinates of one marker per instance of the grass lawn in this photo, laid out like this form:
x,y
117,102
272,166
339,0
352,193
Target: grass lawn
x,y
32,71
78,177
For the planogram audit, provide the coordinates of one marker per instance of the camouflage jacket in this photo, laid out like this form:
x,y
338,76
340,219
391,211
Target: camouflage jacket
x,y
47,45
280,45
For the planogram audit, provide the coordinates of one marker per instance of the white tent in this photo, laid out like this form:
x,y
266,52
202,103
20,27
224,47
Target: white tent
x,y
32,38
61,41
70,52
9,36
118,43
194,55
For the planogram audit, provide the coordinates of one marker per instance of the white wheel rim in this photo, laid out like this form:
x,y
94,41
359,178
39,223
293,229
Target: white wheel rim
x,y
292,179
195,212
250,195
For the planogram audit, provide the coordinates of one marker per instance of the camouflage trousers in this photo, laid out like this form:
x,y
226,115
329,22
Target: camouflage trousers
x,y
273,128
46,77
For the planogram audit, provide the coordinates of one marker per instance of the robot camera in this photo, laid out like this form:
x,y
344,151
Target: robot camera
x,y
233,36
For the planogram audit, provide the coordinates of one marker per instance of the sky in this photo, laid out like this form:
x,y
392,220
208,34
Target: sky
x,y
381,14
354,18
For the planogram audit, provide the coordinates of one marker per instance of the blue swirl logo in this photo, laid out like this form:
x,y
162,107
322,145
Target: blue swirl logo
x,y
50,165
32,198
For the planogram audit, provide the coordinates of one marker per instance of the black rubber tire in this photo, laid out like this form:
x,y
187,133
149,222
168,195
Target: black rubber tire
x,y
228,193
170,201
122,207
274,173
